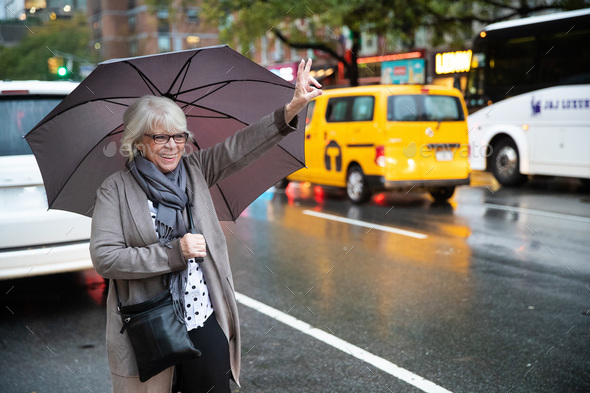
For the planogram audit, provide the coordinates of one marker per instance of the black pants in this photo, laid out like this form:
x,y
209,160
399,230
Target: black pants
x,y
211,372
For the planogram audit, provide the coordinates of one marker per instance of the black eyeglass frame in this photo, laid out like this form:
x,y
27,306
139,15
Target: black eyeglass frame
x,y
179,139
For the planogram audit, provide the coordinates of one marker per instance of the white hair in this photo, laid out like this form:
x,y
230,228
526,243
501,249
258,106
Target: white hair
x,y
147,114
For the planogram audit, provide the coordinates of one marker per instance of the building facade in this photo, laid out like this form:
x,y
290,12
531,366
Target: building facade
x,y
128,28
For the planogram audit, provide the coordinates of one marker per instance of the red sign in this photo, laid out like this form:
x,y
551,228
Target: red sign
x,y
400,70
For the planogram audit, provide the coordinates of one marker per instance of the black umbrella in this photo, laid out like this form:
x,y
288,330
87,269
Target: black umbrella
x,y
220,91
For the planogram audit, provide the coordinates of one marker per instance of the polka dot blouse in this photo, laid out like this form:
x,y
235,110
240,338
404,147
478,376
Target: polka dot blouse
x,y
197,303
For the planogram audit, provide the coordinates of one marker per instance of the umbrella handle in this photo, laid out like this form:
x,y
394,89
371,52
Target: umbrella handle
x,y
192,228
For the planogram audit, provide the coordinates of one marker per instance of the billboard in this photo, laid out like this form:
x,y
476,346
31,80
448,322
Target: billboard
x,y
399,72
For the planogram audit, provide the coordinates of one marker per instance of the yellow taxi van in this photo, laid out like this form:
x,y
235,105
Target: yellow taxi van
x,y
369,139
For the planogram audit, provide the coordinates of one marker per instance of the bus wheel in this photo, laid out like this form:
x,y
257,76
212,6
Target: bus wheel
x,y
442,194
506,163
356,185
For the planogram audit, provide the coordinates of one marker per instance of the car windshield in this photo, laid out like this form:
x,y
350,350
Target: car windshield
x,y
19,115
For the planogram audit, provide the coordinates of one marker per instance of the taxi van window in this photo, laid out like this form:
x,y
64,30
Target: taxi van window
x,y
442,108
424,108
362,108
347,109
309,116
336,110
19,116
402,108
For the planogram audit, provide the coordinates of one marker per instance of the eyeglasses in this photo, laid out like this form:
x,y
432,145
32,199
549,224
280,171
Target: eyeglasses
x,y
162,139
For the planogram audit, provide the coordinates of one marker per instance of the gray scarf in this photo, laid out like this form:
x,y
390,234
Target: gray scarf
x,y
167,193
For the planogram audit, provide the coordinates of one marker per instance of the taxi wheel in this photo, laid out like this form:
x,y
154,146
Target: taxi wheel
x,y
356,185
282,184
506,163
443,193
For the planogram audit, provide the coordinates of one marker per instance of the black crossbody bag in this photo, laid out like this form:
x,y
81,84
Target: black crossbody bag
x,y
157,331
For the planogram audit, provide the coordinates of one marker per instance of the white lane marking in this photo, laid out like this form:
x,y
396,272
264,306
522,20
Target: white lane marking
x,y
359,353
537,212
384,228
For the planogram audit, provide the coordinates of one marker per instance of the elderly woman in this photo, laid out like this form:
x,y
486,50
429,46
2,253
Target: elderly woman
x,y
139,236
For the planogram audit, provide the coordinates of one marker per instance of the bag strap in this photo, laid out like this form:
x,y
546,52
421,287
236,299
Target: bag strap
x,y
119,305
192,228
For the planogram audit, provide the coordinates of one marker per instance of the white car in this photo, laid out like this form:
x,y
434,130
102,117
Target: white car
x,y
33,239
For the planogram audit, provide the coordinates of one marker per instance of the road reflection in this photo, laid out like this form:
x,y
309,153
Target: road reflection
x,y
343,272
348,277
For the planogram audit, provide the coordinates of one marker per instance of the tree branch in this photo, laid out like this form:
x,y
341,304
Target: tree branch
x,y
309,45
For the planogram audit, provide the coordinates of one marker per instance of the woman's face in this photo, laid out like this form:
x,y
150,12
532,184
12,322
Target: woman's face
x,y
164,156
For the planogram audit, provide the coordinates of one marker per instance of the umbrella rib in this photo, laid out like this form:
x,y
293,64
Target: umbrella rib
x,y
225,201
289,153
210,117
223,194
76,168
193,102
221,85
219,188
227,82
110,101
184,68
279,146
77,105
147,80
223,115
115,132
200,98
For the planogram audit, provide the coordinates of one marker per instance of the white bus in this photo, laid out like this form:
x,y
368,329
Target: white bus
x,y
528,93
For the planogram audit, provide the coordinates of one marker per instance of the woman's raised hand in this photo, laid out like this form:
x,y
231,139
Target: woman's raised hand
x,y
306,89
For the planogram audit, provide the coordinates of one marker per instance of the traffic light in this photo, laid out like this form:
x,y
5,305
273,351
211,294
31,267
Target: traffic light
x,y
55,63
62,71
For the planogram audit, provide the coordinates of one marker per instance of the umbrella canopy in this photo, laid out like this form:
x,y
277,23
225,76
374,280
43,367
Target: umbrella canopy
x,y
220,91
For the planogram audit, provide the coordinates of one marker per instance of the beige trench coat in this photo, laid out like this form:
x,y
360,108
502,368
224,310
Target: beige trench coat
x,y
124,245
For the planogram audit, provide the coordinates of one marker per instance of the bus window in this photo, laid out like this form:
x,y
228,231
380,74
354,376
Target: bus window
x,y
512,63
556,65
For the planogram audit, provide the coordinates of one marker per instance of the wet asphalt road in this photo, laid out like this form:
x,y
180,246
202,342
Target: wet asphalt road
x,y
493,299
